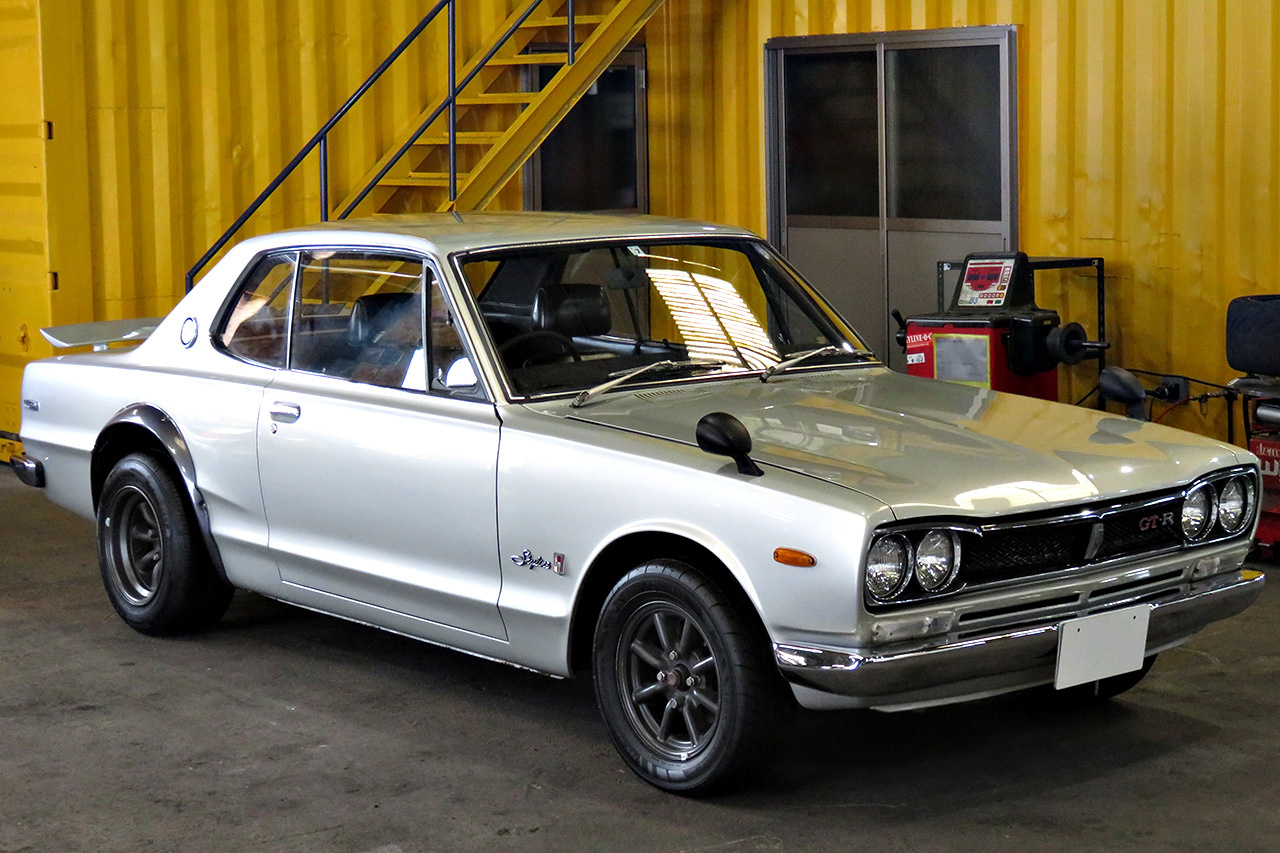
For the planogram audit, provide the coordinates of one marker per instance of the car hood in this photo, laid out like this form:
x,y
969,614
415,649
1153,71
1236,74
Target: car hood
x,y
923,446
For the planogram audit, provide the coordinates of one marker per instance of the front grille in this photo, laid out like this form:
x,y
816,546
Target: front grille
x,y
1141,530
1012,553
1031,545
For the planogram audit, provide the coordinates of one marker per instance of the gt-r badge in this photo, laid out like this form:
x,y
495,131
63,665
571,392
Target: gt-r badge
x,y
526,558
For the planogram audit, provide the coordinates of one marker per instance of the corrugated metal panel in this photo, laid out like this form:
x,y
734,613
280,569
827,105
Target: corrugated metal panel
x,y
1149,134
169,117
23,271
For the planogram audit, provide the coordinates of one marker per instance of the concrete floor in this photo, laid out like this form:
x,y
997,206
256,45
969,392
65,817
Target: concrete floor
x,y
282,730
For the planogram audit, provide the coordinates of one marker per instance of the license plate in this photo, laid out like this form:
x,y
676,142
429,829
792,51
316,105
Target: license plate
x,y
1102,645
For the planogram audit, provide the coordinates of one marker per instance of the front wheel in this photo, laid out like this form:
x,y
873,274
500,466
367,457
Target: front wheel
x,y
157,574
686,686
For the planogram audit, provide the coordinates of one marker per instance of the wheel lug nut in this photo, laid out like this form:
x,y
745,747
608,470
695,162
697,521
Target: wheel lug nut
x,y
672,654
662,676
690,681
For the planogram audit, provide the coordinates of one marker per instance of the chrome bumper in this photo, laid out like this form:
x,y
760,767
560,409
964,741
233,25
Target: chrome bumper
x,y
29,470
988,665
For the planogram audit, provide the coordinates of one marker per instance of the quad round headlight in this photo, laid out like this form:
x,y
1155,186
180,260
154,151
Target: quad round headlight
x,y
937,557
888,567
1197,512
1234,504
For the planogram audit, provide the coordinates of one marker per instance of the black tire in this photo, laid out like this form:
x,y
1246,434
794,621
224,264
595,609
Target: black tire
x,y
687,687
1253,328
1108,688
157,574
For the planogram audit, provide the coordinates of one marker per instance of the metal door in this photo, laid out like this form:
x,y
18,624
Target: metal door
x,y
888,153
379,485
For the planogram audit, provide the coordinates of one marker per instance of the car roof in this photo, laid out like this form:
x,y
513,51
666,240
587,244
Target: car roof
x,y
449,233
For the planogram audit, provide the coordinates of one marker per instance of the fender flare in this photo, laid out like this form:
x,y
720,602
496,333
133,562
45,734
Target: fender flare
x,y
162,427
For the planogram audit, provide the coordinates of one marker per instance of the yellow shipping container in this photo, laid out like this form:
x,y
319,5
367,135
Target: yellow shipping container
x,y
136,130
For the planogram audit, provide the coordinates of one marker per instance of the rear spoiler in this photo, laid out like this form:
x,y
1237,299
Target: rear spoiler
x,y
99,335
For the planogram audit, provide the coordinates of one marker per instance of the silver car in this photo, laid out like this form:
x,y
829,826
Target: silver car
x,y
639,448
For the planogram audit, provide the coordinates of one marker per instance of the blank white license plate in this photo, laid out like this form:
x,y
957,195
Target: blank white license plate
x,y
1102,645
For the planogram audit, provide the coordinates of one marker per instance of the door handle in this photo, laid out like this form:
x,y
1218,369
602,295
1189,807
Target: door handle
x,y
285,413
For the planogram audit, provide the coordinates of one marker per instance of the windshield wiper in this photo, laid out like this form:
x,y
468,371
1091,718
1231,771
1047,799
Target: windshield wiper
x,y
616,379
808,354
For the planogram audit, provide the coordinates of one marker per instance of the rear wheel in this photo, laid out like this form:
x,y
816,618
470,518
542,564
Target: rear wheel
x,y
685,685
158,577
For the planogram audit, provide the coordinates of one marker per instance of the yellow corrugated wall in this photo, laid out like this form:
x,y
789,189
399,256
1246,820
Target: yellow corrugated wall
x,y
22,209
1149,133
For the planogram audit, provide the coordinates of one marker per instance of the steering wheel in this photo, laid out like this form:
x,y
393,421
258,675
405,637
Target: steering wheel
x,y
543,347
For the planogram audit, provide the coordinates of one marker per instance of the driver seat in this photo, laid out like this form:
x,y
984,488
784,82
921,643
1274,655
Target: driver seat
x,y
565,311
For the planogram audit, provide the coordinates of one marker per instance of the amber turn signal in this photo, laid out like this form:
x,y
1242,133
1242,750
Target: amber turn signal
x,y
792,557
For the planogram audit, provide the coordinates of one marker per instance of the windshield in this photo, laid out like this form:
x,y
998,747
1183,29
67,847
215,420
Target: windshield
x,y
568,318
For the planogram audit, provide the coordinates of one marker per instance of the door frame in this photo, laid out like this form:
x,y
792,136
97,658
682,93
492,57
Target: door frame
x,y
633,55
1003,36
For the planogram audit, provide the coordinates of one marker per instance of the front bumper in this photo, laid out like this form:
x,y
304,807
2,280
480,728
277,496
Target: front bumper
x,y
987,665
29,470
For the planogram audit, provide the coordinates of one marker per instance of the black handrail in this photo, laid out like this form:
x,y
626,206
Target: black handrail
x,y
321,137
449,104
318,139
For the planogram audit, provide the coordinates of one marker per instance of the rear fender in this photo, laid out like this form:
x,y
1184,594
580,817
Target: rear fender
x,y
166,433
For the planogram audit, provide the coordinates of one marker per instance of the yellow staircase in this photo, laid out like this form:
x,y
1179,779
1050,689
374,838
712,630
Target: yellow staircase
x,y
498,125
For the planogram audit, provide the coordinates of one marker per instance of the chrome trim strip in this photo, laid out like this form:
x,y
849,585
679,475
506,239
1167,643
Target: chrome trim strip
x,y
1021,658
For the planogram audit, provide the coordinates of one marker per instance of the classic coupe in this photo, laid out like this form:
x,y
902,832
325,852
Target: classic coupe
x,y
637,449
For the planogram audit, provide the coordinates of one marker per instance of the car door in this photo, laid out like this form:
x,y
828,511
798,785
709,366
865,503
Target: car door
x,y
378,477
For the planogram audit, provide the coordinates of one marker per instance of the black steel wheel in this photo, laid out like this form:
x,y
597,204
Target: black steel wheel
x,y
157,575
686,687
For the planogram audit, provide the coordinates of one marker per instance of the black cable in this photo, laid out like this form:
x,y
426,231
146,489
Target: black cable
x,y
1087,396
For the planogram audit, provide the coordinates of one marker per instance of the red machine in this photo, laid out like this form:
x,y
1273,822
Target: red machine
x,y
994,335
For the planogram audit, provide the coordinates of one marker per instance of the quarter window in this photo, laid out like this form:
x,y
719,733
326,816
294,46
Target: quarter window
x,y
256,329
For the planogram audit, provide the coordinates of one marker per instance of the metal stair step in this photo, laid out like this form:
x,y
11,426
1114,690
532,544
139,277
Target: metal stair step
x,y
562,21
531,59
468,137
498,98
422,179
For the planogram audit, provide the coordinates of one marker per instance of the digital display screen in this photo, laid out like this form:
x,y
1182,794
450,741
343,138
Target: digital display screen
x,y
986,283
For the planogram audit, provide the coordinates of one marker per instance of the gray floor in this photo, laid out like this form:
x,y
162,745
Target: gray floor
x,y
284,730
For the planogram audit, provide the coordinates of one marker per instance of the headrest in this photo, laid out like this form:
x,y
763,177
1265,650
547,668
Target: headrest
x,y
572,309
378,312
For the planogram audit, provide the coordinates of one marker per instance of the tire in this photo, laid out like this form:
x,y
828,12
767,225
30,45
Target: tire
x,y
1253,327
1108,688
157,574
687,687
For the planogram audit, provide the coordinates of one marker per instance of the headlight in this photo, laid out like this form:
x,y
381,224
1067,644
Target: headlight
x,y
1197,512
888,567
1234,504
937,557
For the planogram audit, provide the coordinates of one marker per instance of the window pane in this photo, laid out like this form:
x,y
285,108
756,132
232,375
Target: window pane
x,y
594,311
359,317
943,117
831,134
599,133
256,328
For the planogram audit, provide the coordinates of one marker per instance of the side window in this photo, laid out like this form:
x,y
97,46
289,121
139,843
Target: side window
x,y
358,316
256,329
